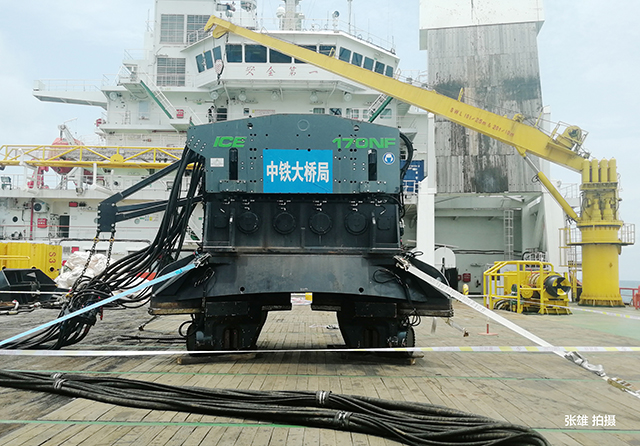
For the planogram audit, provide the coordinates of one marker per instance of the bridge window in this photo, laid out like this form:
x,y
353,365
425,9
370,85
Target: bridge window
x,y
379,68
345,55
389,71
328,50
234,53
356,59
217,53
278,57
171,28
255,54
309,47
368,63
318,111
208,59
200,63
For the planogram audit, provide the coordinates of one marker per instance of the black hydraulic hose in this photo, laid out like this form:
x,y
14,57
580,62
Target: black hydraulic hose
x,y
409,423
125,273
410,149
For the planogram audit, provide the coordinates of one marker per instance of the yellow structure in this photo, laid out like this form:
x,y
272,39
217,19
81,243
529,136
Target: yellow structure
x,y
599,227
526,286
598,222
23,255
111,157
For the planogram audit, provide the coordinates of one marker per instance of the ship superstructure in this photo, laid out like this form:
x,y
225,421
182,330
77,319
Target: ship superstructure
x,y
184,76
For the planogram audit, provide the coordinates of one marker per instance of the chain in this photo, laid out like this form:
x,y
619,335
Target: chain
x,y
111,240
96,239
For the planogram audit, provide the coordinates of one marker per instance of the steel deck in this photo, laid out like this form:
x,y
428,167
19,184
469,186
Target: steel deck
x,y
533,389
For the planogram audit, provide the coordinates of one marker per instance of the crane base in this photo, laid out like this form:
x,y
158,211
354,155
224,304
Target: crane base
x,y
599,302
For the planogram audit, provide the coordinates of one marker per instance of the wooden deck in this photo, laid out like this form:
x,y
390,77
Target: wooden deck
x,y
533,389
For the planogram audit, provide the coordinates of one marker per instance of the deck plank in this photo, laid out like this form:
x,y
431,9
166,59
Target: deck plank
x,y
533,389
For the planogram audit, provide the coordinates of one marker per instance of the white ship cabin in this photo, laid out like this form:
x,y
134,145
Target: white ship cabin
x,y
184,76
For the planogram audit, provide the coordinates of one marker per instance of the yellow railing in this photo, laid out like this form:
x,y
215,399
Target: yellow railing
x,y
86,156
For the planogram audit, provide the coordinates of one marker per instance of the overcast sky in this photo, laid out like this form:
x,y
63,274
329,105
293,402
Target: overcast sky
x,y
589,59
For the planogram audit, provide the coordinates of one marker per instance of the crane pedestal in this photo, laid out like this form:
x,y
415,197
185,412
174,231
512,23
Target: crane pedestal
x,y
600,251
600,229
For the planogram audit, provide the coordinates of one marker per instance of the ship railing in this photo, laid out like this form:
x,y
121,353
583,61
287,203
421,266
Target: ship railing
x,y
570,191
332,25
66,85
416,78
410,187
151,118
130,73
627,234
49,229
630,296
573,236
535,256
108,80
87,155
570,253
78,181
197,35
311,24
169,140
137,54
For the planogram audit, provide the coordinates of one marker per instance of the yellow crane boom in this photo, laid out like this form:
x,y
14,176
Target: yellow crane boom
x,y
508,131
598,222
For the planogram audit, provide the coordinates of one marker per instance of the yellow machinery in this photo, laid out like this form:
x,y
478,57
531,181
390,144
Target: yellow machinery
x,y
526,286
598,222
111,157
26,255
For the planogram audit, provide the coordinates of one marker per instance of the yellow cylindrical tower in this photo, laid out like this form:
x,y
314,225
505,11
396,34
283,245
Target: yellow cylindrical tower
x,y
600,276
595,171
586,172
600,242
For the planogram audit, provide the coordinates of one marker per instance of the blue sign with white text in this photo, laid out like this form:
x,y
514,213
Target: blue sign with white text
x,y
298,171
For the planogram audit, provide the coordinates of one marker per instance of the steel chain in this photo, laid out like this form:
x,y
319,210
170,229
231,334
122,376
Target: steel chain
x,y
96,239
112,239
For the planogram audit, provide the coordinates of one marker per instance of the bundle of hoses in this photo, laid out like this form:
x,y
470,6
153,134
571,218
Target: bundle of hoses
x,y
406,422
126,272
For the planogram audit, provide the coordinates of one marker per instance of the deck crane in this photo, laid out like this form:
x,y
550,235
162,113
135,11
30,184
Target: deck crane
x,y
598,222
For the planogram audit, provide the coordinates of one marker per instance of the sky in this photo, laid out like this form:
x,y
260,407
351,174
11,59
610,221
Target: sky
x,y
589,55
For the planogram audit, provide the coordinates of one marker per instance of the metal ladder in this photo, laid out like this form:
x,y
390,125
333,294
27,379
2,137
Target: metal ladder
x,y
378,106
507,218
